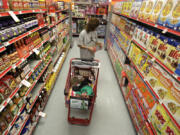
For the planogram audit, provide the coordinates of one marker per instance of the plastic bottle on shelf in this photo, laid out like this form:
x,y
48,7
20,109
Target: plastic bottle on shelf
x,y
3,124
7,115
13,108
18,100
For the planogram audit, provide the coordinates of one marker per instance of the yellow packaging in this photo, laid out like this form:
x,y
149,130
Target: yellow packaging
x,y
159,118
134,53
154,42
170,129
142,9
156,10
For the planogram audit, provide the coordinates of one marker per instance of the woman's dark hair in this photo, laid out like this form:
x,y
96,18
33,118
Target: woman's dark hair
x,y
92,25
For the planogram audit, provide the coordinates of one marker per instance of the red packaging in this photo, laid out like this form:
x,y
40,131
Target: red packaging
x,y
4,6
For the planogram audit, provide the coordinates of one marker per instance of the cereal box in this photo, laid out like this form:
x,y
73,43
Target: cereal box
x,y
159,118
170,129
167,10
167,89
149,100
118,7
156,10
149,8
173,19
162,49
135,8
154,42
134,52
142,9
172,60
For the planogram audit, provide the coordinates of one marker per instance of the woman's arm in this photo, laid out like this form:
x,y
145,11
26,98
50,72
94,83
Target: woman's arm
x,y
92,49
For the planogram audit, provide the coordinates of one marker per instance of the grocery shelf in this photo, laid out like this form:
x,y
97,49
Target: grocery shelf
x,y
3,14
24,123
52,25
14,120
61,10
135,125
153,57
82,3
52,38
23,35
149,86
76,17
34,83
164,29
158,61
75,34
35,92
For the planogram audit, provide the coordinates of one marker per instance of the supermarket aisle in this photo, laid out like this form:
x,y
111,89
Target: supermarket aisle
x,y
110,115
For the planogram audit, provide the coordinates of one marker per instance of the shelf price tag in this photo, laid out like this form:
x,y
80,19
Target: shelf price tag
x,y
164,31
26,83
42,114
36,51
13,15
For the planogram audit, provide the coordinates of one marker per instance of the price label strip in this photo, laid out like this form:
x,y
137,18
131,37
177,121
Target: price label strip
x,y
13,15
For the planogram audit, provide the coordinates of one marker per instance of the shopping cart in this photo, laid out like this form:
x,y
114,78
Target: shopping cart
x,y
79,105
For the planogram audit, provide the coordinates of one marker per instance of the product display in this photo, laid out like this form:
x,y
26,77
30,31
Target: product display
x,y
146,63
27,61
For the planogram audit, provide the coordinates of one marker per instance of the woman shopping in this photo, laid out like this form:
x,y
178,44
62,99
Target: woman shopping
x,y
88,40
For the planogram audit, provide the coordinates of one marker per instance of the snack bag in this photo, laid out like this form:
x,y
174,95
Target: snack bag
x,y
156,10
173,19
165,13
149,8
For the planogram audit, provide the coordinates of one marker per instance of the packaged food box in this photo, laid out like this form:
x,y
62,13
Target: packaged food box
x,y
148,10
165,14
135,8
166,88
157,10
172,60
118,7
173,19
142,9
154,42
170,129
162,50
159,118
148,100
134,53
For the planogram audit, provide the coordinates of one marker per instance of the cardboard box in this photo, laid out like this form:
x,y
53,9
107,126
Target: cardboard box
x,y
157,10
167,89
149,8
159,118
135,8
166,12
142,9
173,19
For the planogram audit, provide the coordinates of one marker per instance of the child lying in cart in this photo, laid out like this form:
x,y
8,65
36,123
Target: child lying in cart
x,y
82,83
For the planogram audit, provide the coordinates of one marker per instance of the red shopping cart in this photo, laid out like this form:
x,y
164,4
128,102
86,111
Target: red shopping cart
x,y
77,104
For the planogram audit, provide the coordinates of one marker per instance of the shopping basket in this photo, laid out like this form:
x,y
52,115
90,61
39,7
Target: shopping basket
x,y
80,104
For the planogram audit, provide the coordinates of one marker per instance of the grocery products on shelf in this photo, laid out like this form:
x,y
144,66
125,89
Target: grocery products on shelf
x,y
146,63
161,14
30,53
